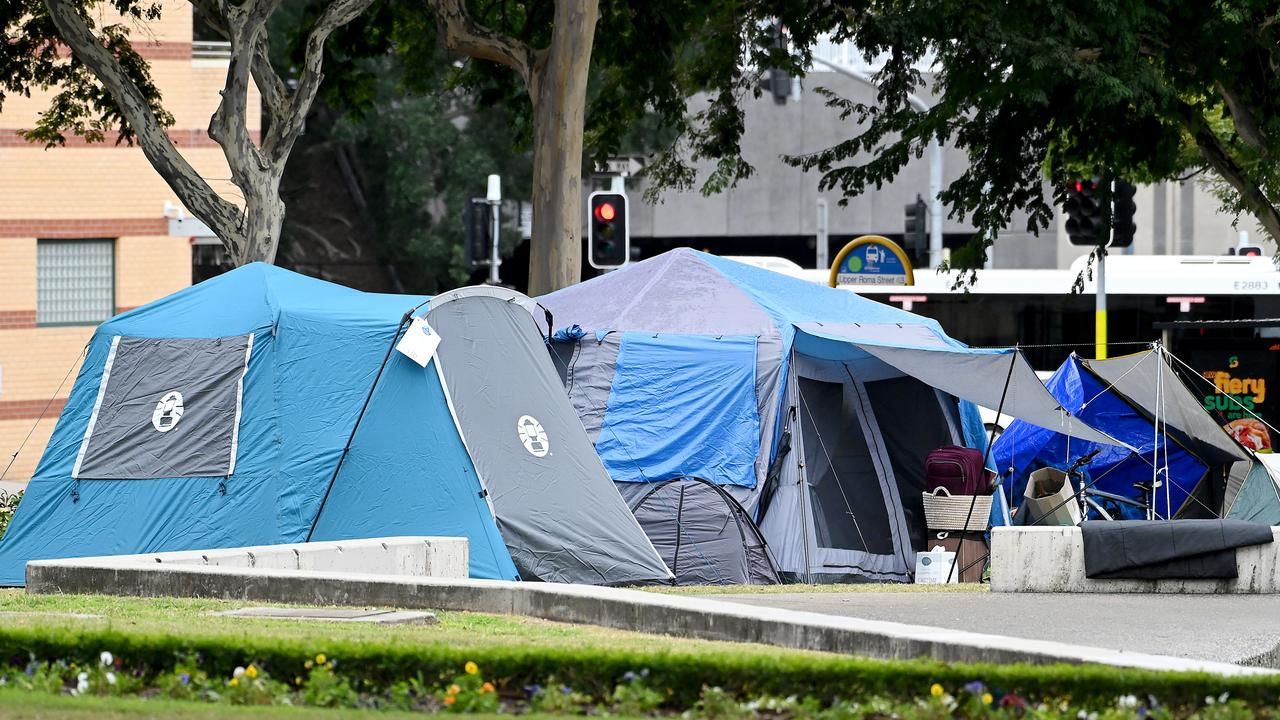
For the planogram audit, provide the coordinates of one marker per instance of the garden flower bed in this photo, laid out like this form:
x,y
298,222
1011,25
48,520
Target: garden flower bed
x,y
598,681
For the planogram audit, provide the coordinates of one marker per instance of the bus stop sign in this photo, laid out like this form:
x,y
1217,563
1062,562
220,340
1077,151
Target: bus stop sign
x,y
871,260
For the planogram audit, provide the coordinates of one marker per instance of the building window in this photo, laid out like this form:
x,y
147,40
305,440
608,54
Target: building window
x,y
207,43
75,281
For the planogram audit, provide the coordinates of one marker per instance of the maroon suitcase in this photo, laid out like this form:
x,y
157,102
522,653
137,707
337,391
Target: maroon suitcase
x,y
958,469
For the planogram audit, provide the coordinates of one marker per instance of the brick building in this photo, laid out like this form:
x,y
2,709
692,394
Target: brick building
x,y
90,230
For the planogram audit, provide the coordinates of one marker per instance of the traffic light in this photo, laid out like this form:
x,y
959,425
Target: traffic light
x,y
1249,251
1087,213
608,230
1122,209
779,79
913,235
478,221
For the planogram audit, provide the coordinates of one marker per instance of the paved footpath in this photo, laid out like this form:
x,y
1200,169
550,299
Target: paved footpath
x,y
1241,629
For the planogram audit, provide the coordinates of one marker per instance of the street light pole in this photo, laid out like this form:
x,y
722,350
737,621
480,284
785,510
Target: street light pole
x,y
494,198
935,161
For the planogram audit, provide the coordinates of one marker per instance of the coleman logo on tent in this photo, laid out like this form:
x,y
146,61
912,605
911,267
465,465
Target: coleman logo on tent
x,y
168,411
532,436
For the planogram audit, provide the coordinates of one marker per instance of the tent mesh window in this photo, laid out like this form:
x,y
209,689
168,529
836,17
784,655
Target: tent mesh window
x,y
704,535
848,505
75,281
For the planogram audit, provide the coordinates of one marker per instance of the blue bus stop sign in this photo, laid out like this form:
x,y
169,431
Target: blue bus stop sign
x,y
871,260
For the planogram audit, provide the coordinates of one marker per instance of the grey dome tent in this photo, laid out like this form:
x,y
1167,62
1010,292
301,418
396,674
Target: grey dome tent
x,y
704,535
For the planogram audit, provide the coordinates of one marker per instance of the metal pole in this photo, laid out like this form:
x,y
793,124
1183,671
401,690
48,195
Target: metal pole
x,y
935,161
822,247
1100,308
1100,305
494,198
935,203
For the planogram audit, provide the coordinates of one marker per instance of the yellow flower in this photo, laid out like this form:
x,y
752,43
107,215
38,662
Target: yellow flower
x,y
321,659
233,682
454,690
449,700
486,688
987,699
251,671
471,668
936,690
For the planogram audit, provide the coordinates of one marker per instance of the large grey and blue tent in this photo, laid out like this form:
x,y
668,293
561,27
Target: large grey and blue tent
x,y
813,407
239,412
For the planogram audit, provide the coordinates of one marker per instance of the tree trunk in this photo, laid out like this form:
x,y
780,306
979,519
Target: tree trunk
x,y
264,218
558,90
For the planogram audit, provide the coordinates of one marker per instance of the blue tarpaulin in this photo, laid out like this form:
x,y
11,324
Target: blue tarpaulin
x,y
1023,447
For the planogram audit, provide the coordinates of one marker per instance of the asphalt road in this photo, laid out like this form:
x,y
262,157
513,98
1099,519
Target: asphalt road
x,y
1241,629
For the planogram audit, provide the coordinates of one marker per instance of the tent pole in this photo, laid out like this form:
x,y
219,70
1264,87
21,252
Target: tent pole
x,y
1013,361
347,448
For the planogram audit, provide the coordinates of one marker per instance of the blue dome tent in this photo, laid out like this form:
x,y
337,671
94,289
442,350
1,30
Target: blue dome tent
x,y
225,415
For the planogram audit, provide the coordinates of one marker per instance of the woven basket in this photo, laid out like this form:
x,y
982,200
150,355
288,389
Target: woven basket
x,y
944,511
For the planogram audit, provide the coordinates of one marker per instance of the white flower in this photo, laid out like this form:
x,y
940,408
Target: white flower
x,y
111,678
1209,700
82,683
1224,697
106,658
239,671
1127,701
1082,715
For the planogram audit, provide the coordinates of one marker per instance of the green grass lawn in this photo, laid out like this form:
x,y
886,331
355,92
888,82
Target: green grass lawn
x,y
195,618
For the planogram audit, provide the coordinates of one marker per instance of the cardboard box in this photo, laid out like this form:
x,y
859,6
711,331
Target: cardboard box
x,y
1048,488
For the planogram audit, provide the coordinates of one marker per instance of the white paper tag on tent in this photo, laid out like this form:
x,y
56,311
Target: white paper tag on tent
x,y
419,342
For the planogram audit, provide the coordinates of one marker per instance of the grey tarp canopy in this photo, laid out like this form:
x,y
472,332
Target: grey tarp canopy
x,y
979,376
557,508
703,535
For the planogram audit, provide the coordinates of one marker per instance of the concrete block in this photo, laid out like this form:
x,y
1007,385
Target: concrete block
x,y
1051,559
409,556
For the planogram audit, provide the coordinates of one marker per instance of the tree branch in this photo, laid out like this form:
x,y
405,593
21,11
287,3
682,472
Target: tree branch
x,y
246,24
1218,155
285,129
464,35
275,96
222,216
1244,119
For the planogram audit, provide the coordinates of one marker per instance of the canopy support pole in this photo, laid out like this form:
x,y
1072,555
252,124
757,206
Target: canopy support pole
x,y
347,448
1013,360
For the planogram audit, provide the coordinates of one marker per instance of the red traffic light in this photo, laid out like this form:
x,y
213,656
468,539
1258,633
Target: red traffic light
x,y
1251,251
605,212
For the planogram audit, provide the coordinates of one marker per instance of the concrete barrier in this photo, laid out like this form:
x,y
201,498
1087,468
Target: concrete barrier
x,y
1051,559
418,556
623,609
